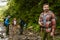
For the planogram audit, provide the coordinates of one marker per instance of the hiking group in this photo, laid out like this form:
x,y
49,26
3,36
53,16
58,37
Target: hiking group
x,y
46,21
14,24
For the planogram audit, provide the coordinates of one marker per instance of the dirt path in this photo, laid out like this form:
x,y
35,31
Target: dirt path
x,y
27,35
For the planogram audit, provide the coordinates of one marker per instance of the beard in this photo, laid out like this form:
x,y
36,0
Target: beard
x,y
46,10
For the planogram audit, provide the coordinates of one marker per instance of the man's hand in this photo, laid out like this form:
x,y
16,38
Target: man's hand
x,y
41,24
52,34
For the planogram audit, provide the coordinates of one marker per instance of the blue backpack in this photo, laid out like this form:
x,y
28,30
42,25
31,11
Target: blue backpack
x,y
6,21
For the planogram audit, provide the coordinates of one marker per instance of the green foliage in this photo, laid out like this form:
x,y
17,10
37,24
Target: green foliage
x,y
29,10
36,27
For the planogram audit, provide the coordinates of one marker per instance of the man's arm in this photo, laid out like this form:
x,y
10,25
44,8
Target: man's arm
x,y
53,20
40,20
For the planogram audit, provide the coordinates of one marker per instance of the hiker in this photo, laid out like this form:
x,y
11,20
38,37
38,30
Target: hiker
x,y
47,23
6,23
22,24
14,24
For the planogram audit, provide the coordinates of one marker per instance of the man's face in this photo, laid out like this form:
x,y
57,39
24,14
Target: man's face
x,y
8,16
45,7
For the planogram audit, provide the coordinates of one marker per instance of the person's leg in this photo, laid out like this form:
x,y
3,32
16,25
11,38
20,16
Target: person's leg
x,y
15,29
49,37
21,29
7,30
44,35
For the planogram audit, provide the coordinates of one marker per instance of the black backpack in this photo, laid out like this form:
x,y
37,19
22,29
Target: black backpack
x,y
22,23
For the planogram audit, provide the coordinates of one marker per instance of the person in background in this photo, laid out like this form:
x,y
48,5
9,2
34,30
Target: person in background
x,y
14,24
22,24
6,23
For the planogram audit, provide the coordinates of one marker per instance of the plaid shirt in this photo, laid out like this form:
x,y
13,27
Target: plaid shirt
x,y
47,19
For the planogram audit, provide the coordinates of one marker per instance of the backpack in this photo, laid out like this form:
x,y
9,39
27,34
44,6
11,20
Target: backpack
x,y
22,23
6,21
